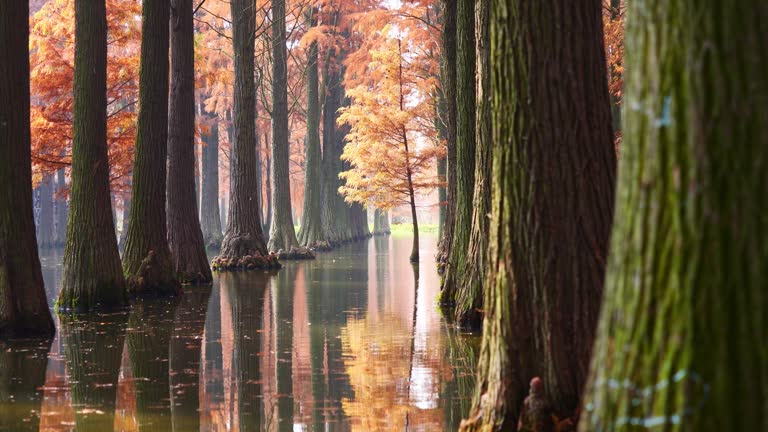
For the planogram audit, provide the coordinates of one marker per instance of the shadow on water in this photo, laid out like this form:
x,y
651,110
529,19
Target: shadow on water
x,y
351,341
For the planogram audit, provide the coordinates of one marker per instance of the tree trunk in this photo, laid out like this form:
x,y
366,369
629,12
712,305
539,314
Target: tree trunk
x,y
281,233
61,210
267,222
45,224
244,243
185,354
448,87
126,214
685,295
312,234
185,238
551,206
333,206
92,276
148,342
147,260
210,216
380,222
465,149
469,275
22,377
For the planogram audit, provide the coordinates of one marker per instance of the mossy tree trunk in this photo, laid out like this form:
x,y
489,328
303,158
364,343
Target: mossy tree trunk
x,y
184,233
685,293
469,275
148,340
147,262
551,206
23,306
244,235
281,233
448,88
93,350
312,234
92,275
186,349
185,238
465,149
210,218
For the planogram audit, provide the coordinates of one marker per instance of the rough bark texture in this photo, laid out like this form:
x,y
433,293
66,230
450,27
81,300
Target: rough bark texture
x,y
448,85
23,306
147,261
281,232
679,346
334,209
185,357
61,210
93,350
92,276
185,238
312,234
22,377
465,149
45,223
210,218
148,340
551,205
469,275
244,240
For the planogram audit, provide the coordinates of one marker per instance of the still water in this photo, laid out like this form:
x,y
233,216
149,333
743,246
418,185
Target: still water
x,y
351,341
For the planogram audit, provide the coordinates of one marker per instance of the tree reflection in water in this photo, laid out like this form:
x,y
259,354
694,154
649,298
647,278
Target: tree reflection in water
x,y
22,375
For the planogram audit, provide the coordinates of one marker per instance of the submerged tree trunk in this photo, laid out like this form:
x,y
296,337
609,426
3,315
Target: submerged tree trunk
x,y
685,295
185,238
147,261
22,377
210,218
61,210
312,234
380,222
469,275
92,276
550,219
186,349
148,340
45,223
465,149
244,244
93,350
281,233
448,87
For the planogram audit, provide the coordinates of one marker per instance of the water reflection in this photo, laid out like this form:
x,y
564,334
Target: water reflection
x,y
350,341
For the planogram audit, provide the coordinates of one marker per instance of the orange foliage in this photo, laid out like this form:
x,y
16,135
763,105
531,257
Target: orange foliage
x,y
613,28
392,134
52,59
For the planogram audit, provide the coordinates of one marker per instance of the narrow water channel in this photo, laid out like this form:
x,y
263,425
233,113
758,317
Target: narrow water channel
x,y
351,341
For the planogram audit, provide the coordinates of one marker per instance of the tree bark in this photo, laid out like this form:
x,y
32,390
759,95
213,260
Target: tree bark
x,y
210,215
312,234
334,209
281,233
92,276
469,276
147,260
380,222
45,223
551,206
448,87
61,210
685,295
465,149
126,214
93,351
244,239
185,238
